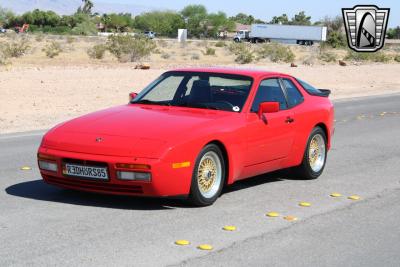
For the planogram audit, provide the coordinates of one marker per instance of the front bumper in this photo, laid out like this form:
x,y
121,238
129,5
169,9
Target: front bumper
x,y
165,182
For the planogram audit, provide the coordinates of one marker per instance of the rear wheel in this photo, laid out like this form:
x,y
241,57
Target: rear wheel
x,y
208,176
314,158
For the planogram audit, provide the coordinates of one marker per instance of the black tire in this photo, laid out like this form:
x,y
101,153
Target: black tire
x,y
195,196
304,170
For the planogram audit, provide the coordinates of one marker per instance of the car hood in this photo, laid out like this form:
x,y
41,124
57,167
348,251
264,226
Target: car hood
x,y
130,130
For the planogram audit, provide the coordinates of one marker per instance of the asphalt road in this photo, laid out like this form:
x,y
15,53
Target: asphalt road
x,y
41,225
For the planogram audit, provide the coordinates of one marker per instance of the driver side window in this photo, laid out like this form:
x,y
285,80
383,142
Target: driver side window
x,y
269,91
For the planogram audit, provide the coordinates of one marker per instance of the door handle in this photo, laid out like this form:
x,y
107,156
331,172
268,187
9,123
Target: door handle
x,y
289,120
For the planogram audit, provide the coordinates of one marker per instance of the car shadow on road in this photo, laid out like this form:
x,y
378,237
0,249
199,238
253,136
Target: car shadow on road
x,y
39,190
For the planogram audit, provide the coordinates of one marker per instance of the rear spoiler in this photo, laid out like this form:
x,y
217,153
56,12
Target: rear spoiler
x,y
322,93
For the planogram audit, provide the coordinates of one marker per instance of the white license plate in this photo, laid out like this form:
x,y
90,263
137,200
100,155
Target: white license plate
x,y
86,171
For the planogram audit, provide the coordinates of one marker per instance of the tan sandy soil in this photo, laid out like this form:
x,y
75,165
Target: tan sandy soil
x,y
34,98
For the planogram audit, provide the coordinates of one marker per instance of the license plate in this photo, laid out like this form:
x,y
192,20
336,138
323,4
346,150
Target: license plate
x,y
86,171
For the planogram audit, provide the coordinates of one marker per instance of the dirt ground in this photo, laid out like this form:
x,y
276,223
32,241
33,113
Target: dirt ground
x,y
34,98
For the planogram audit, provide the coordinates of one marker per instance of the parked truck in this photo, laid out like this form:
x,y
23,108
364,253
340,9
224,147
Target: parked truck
x,y
292,34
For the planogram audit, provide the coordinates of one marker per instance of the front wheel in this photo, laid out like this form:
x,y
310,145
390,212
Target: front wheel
x,y
314,158
208,176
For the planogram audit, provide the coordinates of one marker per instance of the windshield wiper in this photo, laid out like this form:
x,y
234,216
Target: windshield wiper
x,y
150,102
200,105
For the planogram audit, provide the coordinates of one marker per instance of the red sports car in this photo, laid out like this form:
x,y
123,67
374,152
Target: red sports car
x,y
190,133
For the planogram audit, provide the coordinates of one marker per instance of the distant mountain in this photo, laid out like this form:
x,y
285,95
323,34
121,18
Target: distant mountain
x,y
67,7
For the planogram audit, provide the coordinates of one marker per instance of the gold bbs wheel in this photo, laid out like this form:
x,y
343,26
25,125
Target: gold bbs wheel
x,y
209,174
316,153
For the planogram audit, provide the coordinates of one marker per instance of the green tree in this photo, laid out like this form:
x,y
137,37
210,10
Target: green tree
x,y
195,17
5,16
283,19
86,7
164,23
218,22
301,19
394,33
243,19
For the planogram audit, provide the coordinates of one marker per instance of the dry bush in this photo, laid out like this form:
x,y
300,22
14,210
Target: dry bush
x,y
276,52
373,57
165,55
195,57
327,56
71,40
397,58
16,48
220,44
130,48
97,51
209,51
243,53
53,49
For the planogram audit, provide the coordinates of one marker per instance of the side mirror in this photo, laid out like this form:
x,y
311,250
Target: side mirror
x,y
132,96
268,107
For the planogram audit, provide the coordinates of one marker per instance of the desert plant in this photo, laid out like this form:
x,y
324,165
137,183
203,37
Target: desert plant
x,y
70,39
373,57
165,55
309,60
195,57
133,48
52,49
276,52
397,58
243,53
16,48
39,37
209,51
220,44
97,51
327,56
162,43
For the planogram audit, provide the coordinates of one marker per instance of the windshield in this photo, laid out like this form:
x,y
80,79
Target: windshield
x,y
197,90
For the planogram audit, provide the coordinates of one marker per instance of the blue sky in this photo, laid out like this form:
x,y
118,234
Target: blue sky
x,y
264,9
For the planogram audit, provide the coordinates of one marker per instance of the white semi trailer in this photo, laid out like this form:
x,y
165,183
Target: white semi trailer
x,y
294,34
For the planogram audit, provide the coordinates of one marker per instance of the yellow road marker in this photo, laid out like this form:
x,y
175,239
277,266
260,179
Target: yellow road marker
x,y
290,218
336,195
182,242
305,204
272,214
205,247
229,228
354,197
26,168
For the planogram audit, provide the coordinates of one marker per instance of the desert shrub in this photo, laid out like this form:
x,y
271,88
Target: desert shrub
x,y
85,28
195,57
243,53
209,51
39,37
133,48
276,52
165,55
16,48
70,39
397,58
52,49
220,44
327,56
97,51
162,43
309,60
373,57
335,39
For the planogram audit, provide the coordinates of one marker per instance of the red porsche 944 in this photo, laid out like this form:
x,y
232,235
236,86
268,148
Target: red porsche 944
x,y
190,133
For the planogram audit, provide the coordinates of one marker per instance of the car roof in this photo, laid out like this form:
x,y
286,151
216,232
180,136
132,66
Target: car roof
x,y
255,73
